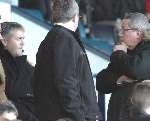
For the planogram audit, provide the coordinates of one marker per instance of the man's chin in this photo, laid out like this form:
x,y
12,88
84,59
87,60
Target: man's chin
x,y
19,54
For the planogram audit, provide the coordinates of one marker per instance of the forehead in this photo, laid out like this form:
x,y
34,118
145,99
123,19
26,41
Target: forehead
x,y
17,32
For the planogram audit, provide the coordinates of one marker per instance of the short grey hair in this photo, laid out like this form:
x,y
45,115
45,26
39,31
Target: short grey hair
x,y
7,27
64,10
139,21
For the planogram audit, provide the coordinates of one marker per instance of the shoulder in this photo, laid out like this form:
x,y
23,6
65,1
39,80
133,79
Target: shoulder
x,y
145,45
62,36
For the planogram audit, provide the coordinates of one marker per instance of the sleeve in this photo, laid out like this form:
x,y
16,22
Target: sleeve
x,y
106,80
135,66
66,81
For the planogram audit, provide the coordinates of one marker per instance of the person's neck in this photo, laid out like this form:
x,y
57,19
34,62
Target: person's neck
x,y
69,25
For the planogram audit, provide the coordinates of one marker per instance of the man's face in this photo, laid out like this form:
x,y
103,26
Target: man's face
x,y
15,42
0,33
131,37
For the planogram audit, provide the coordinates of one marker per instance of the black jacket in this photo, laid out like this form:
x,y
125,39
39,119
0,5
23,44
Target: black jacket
x,y
63,84
134,64
18,88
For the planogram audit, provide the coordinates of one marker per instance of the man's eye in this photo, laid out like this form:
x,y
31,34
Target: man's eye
x,y
20,38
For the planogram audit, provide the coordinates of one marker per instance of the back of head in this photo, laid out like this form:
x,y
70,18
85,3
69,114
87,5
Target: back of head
x,y
140,101
64,10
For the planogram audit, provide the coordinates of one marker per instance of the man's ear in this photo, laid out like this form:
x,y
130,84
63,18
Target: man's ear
x,y
140,34
74,18
4,42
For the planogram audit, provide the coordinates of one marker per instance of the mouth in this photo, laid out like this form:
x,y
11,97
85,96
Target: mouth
x,y
21,49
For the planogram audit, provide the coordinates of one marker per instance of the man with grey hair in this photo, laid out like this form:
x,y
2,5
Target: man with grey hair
x,y
63,84
18,71
129,64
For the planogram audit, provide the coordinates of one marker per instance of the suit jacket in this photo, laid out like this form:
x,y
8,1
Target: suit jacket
x,y
63,84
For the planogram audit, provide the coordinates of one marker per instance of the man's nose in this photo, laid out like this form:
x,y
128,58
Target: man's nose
x,y
22,43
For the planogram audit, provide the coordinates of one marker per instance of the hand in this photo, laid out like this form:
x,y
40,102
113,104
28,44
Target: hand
x,y
124,79
121,46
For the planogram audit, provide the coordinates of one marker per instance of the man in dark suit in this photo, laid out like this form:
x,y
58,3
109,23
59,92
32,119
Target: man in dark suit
x,y
63,84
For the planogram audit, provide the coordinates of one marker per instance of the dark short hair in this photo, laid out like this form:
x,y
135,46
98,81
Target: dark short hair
x,y
64,10
7,27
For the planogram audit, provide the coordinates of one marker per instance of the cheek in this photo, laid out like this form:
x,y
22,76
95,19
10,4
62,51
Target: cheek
x,y
127,41
12,46
130,37
126,38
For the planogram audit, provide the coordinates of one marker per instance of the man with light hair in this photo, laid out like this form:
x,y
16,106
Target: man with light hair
x,y
129,64
17,83
63,84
